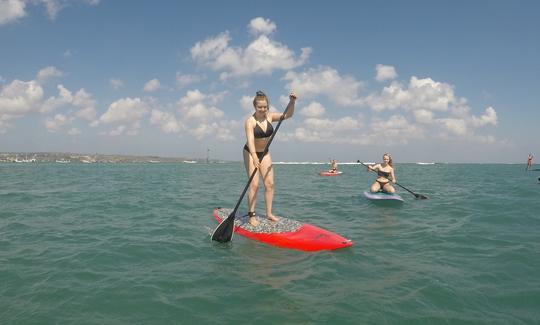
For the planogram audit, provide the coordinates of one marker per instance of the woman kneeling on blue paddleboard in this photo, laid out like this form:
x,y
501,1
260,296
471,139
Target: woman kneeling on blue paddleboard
x,y
385,174
258,131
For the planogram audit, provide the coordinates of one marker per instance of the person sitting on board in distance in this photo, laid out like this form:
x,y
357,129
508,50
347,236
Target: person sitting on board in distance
x,y
258,131
333,167
529,161
385,174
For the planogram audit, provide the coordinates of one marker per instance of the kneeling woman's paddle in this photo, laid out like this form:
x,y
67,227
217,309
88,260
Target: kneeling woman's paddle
x,y
418,196
224,231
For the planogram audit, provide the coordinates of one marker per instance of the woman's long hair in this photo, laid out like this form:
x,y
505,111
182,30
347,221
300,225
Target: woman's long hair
x,y
390,161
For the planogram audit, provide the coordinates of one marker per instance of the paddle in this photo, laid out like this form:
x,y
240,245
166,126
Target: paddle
x,y
224,231
418,196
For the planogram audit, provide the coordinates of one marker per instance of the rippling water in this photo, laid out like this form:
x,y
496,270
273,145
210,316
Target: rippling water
x,y
124,244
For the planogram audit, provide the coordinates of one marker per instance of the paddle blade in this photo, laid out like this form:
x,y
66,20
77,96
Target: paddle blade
x,y
421,197
224,231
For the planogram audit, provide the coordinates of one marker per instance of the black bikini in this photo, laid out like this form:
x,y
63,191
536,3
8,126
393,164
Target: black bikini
x,y
258,133
382,173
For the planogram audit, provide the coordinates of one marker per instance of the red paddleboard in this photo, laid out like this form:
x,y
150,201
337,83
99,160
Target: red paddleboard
x,y
286,233
328,173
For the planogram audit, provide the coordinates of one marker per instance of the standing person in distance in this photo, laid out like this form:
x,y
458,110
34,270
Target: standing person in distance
x,y
258,129
385,176
529,162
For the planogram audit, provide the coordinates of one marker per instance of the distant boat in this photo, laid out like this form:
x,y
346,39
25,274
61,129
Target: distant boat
x,y
63,161
26,160
154,161
190,161
425,163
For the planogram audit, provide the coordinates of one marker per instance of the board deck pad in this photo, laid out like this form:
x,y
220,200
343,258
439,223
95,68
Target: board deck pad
x,y
265,226
285,233
381,196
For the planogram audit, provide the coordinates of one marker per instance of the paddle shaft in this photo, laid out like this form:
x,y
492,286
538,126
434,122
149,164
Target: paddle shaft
x,y
403,187
232,216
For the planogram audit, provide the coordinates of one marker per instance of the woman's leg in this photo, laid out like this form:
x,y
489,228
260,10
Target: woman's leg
x,y
389,188
375,187
267,172
252,192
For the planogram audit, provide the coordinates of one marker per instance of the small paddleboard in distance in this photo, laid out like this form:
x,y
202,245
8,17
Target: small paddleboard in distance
x,y
381,196
328,173
285,233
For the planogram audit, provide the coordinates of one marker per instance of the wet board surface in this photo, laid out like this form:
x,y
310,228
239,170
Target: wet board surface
x,y
381,196
285,233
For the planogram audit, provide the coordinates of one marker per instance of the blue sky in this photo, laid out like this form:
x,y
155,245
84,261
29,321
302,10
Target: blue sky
x,y
443,81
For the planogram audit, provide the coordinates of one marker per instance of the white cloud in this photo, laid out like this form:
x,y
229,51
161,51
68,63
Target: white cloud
x,y
489,117
196,105
74,131
423,116
119,130
166,121
314,109
58,121
152,85
385,72
260,25
396,127
183,80
11,11
424,94
342,90
47,73
87,105
221,130
454,125
247,103
116,83
53,7
52,103
125,110
325,130
262,56
19,98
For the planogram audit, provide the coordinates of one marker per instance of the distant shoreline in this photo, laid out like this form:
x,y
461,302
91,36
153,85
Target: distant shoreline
x,y
69,157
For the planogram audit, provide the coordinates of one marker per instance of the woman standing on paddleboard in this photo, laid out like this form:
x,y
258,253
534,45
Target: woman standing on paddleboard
x,y
385,174
258,131
333,166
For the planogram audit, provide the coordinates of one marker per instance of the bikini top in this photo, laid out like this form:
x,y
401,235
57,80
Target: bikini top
x,y
383,174
259,133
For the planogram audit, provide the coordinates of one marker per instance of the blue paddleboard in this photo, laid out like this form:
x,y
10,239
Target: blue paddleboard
x,y
381,196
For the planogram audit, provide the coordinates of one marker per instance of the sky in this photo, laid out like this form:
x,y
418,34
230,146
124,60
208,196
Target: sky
x,y
426,81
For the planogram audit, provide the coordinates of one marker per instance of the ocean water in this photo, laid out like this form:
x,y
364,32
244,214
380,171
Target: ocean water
x,y
129,244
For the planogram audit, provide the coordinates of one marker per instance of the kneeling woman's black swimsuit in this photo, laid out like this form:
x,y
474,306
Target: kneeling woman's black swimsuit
x,y
385,175
258,133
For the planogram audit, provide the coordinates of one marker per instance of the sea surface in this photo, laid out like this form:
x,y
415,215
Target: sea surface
x,y
130,244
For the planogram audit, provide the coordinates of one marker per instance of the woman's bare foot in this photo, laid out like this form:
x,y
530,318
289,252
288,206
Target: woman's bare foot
x,y
272,217
253,221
